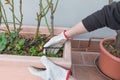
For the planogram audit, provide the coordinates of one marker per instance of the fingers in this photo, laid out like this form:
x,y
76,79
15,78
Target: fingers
x,y
53,49
53,43
48,44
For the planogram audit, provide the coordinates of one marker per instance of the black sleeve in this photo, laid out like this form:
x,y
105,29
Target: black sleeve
x,y
108,16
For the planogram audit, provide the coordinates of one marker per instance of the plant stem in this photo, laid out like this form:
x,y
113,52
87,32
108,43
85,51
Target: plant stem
x,y
0,15
117,41
40,15
4,17
49,29
21,16
13,14
55,6
52,20
53,9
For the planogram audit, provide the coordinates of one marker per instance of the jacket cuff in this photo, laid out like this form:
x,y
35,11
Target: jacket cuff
x,y
68,74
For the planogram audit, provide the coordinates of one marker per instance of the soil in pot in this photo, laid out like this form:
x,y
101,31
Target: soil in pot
x,y
110,46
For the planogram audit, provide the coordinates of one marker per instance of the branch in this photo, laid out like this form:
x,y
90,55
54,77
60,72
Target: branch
x,y
4,17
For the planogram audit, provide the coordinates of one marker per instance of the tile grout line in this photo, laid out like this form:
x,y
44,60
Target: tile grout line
x,y
83,59
73,72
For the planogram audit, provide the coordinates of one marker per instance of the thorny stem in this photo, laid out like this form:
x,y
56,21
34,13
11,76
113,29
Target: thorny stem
x,y
21,16
0,15
49,29
46,21
40,15
53,9
55,6
13,13
52,20
4,17
117,41
14,16
38,25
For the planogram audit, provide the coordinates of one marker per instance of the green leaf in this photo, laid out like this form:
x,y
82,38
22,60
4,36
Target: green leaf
x,y
33,51
21,42
13,36
3,42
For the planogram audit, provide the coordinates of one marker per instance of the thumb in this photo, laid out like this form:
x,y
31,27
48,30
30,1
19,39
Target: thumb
x,y
46,62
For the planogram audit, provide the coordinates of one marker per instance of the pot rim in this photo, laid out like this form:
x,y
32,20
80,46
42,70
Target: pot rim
x,y
105,51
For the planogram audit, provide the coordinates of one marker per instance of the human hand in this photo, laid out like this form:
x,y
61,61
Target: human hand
x,y
55,43
52,71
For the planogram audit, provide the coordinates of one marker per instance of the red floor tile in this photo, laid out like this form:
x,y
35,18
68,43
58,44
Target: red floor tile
x,y
83,66
87,73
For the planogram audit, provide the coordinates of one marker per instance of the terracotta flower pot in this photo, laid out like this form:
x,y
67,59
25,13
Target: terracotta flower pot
x,y
109,64
16,67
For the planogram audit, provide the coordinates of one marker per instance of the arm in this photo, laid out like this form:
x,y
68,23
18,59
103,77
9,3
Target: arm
x,y
108,16
77,29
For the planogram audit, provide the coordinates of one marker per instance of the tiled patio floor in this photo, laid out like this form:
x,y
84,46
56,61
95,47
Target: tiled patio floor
x,y
83,67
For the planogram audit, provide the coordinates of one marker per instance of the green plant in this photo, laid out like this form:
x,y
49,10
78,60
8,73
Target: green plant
x,y
34,51
0,15
20,44
12,42
43,11
3,41
14,17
